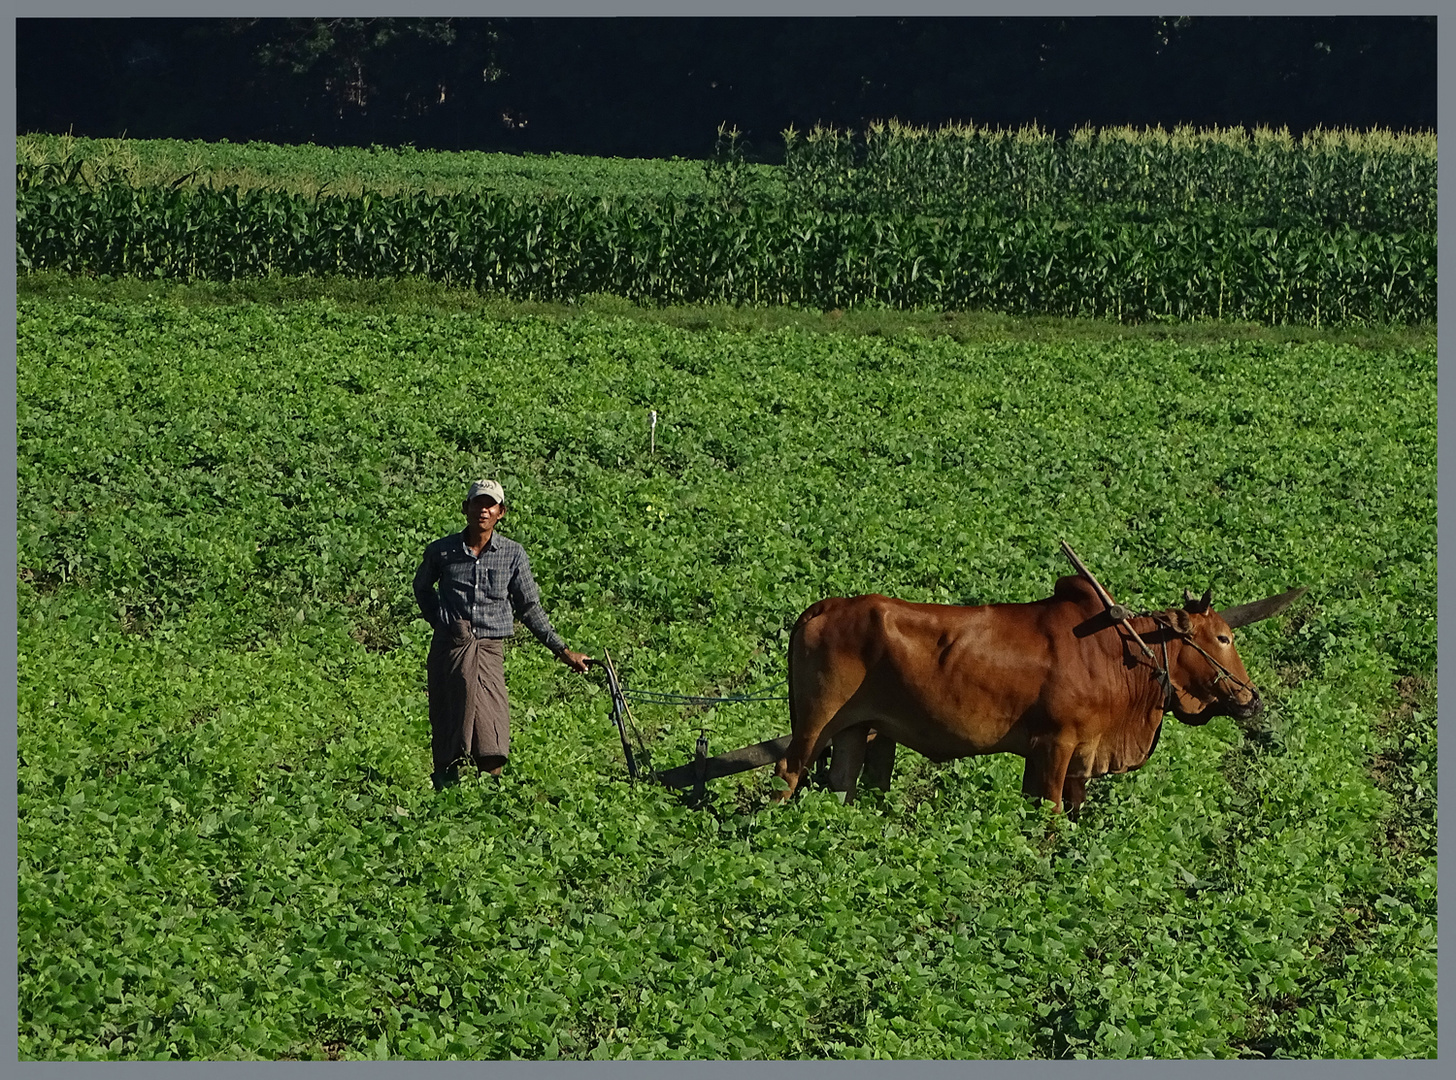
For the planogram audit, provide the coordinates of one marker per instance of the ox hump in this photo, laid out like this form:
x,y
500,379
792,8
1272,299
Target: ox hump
x,y
1076,589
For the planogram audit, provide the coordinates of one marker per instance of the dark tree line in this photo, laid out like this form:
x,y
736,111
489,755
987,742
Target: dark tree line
x,y
659,87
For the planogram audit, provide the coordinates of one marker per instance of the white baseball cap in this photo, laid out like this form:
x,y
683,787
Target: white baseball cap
x,y
486,487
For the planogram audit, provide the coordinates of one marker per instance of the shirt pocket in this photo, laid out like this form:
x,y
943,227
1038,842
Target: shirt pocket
x,y
497,583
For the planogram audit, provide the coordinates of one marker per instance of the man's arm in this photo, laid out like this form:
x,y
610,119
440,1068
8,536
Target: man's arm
x,y
526,602
425,594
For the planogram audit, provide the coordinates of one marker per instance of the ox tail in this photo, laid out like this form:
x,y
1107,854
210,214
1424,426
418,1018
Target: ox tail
x,y
796,644
796,641
799,696
798,653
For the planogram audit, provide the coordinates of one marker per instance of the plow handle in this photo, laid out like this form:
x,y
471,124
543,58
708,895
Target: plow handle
x,y
619,709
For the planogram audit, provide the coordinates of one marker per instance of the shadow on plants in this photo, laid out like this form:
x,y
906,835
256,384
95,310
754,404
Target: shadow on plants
x,y
1071,1024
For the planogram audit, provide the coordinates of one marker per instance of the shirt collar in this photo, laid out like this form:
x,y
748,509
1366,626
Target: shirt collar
x,y
490,545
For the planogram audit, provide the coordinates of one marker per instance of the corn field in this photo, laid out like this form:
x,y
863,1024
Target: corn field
x,y
1372,181
1335,228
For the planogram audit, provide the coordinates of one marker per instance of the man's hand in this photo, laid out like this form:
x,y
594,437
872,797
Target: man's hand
x,y
575,660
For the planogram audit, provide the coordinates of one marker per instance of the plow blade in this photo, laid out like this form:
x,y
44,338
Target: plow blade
x,y
734,761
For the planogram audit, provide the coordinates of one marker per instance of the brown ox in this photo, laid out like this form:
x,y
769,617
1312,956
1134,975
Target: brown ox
x,y
1054,681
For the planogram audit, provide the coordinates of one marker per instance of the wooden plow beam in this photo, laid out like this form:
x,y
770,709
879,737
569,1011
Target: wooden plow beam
x,y
879,763
704,768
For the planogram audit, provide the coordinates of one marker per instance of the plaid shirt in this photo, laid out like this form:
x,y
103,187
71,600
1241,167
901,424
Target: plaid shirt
x,y
484,591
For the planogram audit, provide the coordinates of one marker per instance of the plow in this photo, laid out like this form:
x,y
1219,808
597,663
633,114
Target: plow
x,y
702,768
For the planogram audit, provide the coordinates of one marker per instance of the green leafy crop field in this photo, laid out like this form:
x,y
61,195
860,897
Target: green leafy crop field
x,y
229,847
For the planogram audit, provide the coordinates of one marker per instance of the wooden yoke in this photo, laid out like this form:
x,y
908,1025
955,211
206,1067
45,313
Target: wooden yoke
x,y
1116,611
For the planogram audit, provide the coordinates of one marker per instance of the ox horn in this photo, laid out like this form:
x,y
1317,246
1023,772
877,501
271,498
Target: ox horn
x,y
1260,609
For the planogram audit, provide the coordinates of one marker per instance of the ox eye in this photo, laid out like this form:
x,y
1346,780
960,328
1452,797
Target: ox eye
x,y
1224,639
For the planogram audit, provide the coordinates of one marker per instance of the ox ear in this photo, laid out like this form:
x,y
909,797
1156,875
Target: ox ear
x,y
1181,622
1197,607
1260,609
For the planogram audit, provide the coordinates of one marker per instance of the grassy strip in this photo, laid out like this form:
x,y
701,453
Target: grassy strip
x,y
344,170
422,296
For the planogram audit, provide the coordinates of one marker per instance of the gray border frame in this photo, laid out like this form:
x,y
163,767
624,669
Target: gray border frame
x,y
1446,39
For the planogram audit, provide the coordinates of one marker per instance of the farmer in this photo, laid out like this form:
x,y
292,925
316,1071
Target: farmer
x,y
484,578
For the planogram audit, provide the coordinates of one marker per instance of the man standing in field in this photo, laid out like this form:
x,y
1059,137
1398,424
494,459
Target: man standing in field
x,y
485,580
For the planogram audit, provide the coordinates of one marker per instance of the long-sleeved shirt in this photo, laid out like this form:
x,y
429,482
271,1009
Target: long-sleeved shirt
x,y
484,590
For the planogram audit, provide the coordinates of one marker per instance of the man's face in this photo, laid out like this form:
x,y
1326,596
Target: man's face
x,y
483,512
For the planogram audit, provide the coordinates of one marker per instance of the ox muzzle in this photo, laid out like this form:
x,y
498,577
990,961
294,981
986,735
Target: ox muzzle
x,y
1245,710
1249,709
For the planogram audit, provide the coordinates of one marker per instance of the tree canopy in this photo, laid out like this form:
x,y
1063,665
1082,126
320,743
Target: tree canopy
x,y
661,86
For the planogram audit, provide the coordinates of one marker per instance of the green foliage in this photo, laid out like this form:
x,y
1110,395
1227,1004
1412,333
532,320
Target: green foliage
x,y
228,846
414,295
1373,181
348,170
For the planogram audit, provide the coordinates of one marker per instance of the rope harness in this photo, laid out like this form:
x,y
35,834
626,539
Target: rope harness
x,y
1121,619
1163,675
660,698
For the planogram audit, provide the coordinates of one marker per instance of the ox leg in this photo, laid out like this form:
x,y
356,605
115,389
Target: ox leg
x,y
1074,793
803,749
1046,771
849,757
879,763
